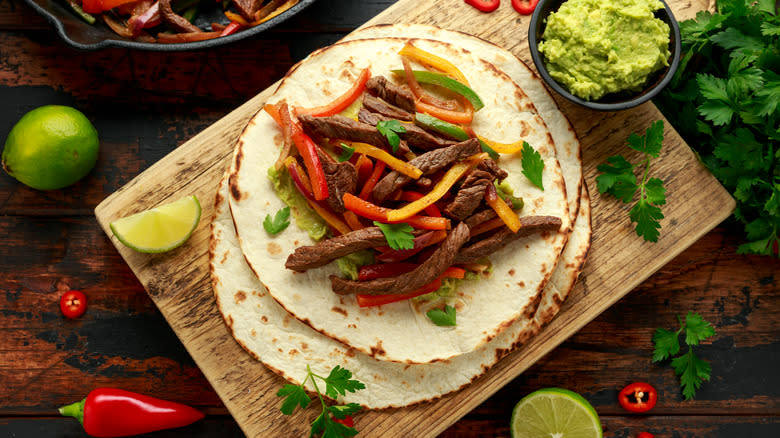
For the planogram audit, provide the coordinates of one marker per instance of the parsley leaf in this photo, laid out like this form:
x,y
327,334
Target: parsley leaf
x,y
346,152
444,317
399,236
618,179
691,369
339,381
390,129
532,165
279,222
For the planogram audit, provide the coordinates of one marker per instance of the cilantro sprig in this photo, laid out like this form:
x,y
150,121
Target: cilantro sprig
x,y
278,223
691,369
724,101
533,165
618,179
346,152
399,236
338,382
446,317
390,129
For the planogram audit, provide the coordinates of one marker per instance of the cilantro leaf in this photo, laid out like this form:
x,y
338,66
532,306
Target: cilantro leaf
x,y
691,369
339,381
444,317
532,165
399,236
295,396
279,222
618,179
390,129
346,152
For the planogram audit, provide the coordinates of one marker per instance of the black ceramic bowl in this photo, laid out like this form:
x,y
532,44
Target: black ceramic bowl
x,y
612,101
82,35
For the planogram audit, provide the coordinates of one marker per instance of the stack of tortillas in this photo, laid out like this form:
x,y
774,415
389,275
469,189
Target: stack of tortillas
x,y
289,320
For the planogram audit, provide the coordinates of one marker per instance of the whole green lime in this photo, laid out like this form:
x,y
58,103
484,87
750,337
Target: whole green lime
x,y
51,147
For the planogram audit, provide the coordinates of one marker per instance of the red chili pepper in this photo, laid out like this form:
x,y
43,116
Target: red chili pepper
x,y
346,421
73,303
231,28
525,7
638,397
645,435
484,5
111,412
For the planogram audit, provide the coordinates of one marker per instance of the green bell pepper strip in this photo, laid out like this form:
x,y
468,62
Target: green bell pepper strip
x,y
450,130
429,77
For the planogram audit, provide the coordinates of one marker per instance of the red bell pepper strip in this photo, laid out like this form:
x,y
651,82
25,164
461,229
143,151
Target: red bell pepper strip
x,y
638,397
308,150
484,5
384,270
92,6
378,300
371,211
341,102
368,187
111,412
231,28
364,167
525,7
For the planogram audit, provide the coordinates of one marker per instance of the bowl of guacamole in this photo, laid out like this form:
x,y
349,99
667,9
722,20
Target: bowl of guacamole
x,y
605,55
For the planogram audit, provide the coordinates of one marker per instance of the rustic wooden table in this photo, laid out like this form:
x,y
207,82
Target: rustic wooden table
x,y
145,104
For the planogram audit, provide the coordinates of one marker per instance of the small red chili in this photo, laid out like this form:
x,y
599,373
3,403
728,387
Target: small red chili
x,y
525,7
73,303
485,5
638,397
645,435
111,412
346,421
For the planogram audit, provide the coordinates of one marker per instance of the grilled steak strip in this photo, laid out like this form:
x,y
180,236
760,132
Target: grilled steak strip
x,y
425,273
177,21
344,128
247,8
398,95
341,178
472,191
480,217
413,134
314,256
379,106
429,163
496,241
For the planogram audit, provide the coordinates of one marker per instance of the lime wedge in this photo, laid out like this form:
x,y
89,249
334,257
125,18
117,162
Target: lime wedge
x,y
555,413
160,229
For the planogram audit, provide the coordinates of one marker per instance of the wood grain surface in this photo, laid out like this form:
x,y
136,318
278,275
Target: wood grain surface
x,y
145,105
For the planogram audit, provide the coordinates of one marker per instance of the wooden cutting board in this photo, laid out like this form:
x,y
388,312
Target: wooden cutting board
x,y
179,284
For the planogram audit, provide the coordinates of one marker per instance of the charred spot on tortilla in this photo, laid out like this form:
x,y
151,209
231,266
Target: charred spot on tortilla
x,y
235,192
274,248
511,272
377,350
240,296
339,310
253,333
264,319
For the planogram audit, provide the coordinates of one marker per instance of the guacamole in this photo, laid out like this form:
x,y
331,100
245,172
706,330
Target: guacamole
x,y
596,47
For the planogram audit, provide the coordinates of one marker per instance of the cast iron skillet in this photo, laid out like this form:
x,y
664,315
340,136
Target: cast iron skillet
x,y
85,36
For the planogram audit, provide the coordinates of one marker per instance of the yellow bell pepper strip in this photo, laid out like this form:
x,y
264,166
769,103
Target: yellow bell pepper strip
x,y
341,102
429,77
374,212
393,162
353,221
501,208
420,94
435,61
504,148
302,184
410,196
450,130
233,17
365,192
285,6
377,300
449,179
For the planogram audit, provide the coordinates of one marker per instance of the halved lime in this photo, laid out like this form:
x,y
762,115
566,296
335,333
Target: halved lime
x,y
160,229
555,413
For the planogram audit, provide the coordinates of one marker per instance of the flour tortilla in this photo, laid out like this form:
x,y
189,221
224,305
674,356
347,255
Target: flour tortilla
x,y
286,346
566,144
401,332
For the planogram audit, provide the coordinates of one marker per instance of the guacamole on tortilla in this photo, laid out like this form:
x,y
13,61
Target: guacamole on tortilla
x,y
596,47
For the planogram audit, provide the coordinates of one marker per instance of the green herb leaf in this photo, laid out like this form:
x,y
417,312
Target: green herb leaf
x,y
617,178
279,222
444,317
339,381
346,152
532,165
399,236
390,129
691,369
